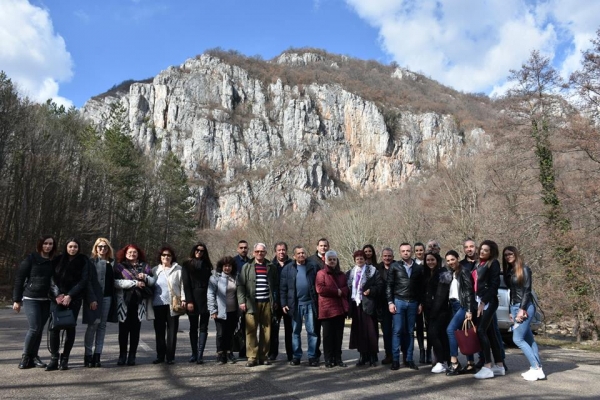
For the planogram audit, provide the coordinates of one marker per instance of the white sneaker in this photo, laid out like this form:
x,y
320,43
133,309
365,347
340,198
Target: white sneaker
x,y
531,375
484,373
439,368
498,370
541,375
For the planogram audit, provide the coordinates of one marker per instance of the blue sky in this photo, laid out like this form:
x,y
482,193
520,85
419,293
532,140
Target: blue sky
x,y
71,50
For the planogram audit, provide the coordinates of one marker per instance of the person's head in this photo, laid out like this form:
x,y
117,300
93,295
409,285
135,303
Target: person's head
x,y
433,246
331,260
299,255
242,248
46,246
131,253
470,249
359,258
370,255
72,247
166,255
260,252
488,250
102,249
405,251
511,257
387,255
322,246
452,260
419,250
227,265
199,252
432,260
281,249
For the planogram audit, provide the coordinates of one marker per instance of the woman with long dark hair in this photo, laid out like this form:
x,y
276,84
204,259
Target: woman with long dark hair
x,y
332,288
31,291
197,271
96,314
167,282
365,286
223,306
134,299
462,301
370,255
518,278
487,282
70,280
437,310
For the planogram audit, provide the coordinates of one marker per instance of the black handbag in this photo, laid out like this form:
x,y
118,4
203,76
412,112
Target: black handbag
x,y
61,318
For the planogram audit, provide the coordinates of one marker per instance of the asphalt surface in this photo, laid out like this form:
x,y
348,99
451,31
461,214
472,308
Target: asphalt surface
x,y
571,374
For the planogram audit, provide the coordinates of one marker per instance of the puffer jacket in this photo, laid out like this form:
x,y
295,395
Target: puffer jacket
x,y
33,278
217,294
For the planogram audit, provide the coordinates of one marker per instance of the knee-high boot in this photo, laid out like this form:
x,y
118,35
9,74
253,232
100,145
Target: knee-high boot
x,y
201,345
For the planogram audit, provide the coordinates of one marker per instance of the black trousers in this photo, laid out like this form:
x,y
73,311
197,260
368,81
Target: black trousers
x,y
129,331
275,328
225,329
69,333
420,330
487,334
333,334
198,322
438,338
165,330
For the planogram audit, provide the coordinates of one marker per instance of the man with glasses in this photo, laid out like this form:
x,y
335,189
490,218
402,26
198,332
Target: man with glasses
x,y
257,293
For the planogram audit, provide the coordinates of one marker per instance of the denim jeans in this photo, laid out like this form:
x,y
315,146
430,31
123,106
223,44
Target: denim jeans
x,y
37,313
523,337
403,328
304,312
455,323
96,331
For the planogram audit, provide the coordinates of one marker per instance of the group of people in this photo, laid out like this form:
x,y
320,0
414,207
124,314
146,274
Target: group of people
x,y
248,297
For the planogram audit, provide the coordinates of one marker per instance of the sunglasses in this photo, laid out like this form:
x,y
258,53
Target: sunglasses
x,y
102,246
199,250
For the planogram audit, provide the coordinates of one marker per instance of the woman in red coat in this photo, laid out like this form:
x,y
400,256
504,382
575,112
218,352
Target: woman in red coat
x,y
332,289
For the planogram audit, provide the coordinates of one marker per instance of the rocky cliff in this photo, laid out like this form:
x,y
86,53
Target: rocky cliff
x,y
257,146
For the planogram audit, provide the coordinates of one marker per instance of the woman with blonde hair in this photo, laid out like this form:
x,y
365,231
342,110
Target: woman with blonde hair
x,y
97,313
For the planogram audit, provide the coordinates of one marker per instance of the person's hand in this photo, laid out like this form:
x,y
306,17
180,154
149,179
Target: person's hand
x,y
285,309
243,307
93,305
392,308
190,307
66,300
17,307
480,309
339,292
366,292
214,316
140,284
469,316
420,309
510,317
141,276
59,298
521,315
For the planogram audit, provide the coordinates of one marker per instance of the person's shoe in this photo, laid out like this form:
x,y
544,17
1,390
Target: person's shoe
x,y
468,369
534,375
453,369
439,368
272,357
222,358
200,360
387,360
411,365
26,362
251,363
362,360
484,373
131,361
37,362
122,361
395,365
421,356
313,362
231,358
498,371
264,362
342,364
329,364
63,365
193,358
158,361
170,362
53,364
295,361
373,361
87,361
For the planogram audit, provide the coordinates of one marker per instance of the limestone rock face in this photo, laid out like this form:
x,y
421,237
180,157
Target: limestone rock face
x,y
256,148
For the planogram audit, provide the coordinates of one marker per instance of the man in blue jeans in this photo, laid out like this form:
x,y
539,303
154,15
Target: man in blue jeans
x,y
404,292
299,301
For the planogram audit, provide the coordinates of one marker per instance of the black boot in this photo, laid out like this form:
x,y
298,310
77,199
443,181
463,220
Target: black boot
x,y
221,358
38,362
428,356
421,356
96,360
362,360
64,362
373,360
131,358
201,346
87,361
53,365
26,362
231,358
122,360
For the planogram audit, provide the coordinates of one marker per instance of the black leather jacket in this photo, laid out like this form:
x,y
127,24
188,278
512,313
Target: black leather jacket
x,y
519,294
400,286
33,278
466,292
488,281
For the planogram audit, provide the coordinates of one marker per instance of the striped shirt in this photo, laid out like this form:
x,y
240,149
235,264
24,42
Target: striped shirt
x,y
262,284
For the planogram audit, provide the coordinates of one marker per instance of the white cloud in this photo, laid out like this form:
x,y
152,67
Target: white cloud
x,y
471,45
32,54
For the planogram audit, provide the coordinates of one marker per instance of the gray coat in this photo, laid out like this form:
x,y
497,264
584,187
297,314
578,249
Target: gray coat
x,y
217,295
96,285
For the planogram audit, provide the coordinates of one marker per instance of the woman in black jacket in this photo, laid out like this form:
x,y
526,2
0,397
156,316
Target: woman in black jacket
x,y
196,273
437,311
71,272
518,278
462,301
32,287
486,284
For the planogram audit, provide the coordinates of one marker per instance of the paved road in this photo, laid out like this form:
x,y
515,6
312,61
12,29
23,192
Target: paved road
x,y
571,374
